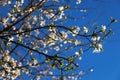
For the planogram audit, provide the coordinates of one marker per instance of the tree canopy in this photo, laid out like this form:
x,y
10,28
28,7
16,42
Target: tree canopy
x,y
39,40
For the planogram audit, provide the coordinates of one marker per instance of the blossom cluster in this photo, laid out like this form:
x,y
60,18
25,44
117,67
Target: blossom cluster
x,y
9,68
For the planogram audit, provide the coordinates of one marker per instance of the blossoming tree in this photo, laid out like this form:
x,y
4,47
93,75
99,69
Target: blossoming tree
x,y
37,42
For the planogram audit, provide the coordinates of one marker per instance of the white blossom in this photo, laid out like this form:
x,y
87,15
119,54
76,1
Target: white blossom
x,y
77,53
51,73
103,28
61,8
13,18
77,42
35,61
98,38
81,73
95,38
9,2
61,15
57,48
85,29
81,51
11,38
22,1
98,48
78,2
35,18
91,70
80,58
42,23
64,34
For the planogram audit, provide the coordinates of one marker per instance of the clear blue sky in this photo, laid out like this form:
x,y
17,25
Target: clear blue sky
x,y
106,64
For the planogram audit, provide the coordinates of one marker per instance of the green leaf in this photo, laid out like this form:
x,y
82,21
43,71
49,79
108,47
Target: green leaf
x,y
53,66
33,59
52,24
67,68
8,44
70,58
47,60
58,55
28,29
19,41
67,7
61,64
114,21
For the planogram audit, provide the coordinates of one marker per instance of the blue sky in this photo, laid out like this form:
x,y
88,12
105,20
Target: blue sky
x,y
106,64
